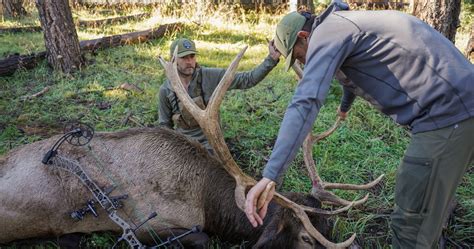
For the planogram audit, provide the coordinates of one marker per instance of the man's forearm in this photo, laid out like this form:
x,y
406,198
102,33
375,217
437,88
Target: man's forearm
x,y
347,95
244,80
347,99
296,124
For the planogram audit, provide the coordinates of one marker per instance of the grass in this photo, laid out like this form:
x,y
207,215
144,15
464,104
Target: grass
x,y
366,145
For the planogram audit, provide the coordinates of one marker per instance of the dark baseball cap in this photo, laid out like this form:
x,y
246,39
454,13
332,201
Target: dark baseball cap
x,y
185,47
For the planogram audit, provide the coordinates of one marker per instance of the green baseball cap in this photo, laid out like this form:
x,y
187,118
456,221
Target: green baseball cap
x,y
185,47
285,37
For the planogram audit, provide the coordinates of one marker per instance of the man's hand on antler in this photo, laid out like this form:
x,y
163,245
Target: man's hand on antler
x,y
258,199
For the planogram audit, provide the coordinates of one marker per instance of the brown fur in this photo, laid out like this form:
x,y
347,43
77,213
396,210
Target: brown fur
x,y
159,169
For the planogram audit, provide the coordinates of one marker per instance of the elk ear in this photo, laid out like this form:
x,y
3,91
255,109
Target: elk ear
x,y
312,202
319,221
304,199
269,233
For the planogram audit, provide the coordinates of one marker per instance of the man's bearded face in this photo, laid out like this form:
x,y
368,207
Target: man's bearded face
x,y
186,64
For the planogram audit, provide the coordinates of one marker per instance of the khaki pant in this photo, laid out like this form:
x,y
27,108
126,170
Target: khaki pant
x,y
433,166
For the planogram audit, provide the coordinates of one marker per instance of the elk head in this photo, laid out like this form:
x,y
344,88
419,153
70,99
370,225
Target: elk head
x,y
285,230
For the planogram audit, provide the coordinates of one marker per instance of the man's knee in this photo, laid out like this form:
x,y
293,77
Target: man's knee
x,y
413,210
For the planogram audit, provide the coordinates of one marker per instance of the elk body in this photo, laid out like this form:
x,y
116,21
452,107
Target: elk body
x,y
159,169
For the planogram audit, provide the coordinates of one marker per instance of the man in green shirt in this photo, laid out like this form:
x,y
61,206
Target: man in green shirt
x,y
200,83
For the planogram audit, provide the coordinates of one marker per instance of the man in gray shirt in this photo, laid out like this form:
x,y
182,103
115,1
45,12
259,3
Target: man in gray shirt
x,y
200,83
409,72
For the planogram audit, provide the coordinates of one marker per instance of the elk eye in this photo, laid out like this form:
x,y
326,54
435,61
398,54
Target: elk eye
x,y
306,239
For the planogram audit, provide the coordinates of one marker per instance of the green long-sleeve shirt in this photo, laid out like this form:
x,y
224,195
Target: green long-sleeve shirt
x,y
168,101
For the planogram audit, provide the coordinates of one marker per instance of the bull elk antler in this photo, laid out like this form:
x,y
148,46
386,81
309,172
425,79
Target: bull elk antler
x,y
319,187
209,122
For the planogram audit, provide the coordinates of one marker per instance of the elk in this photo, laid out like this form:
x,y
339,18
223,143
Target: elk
x,y
162,172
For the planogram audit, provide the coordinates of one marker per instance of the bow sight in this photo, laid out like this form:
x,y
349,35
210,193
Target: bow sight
x,y
76,134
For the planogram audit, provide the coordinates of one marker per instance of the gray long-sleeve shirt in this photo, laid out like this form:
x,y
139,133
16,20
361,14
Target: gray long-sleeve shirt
x,y
210,78
406,69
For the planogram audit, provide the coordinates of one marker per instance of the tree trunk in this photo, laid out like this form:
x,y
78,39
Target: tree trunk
x,y
443,15
60,37
308,5
470,45
12,8
293,5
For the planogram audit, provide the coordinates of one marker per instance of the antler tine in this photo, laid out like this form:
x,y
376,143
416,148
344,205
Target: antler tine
x,y
328,212
308,155
299,211
213,131
318,185
371,184
218,94
325,134
330,198
309,161
318,189
299,72
319,237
